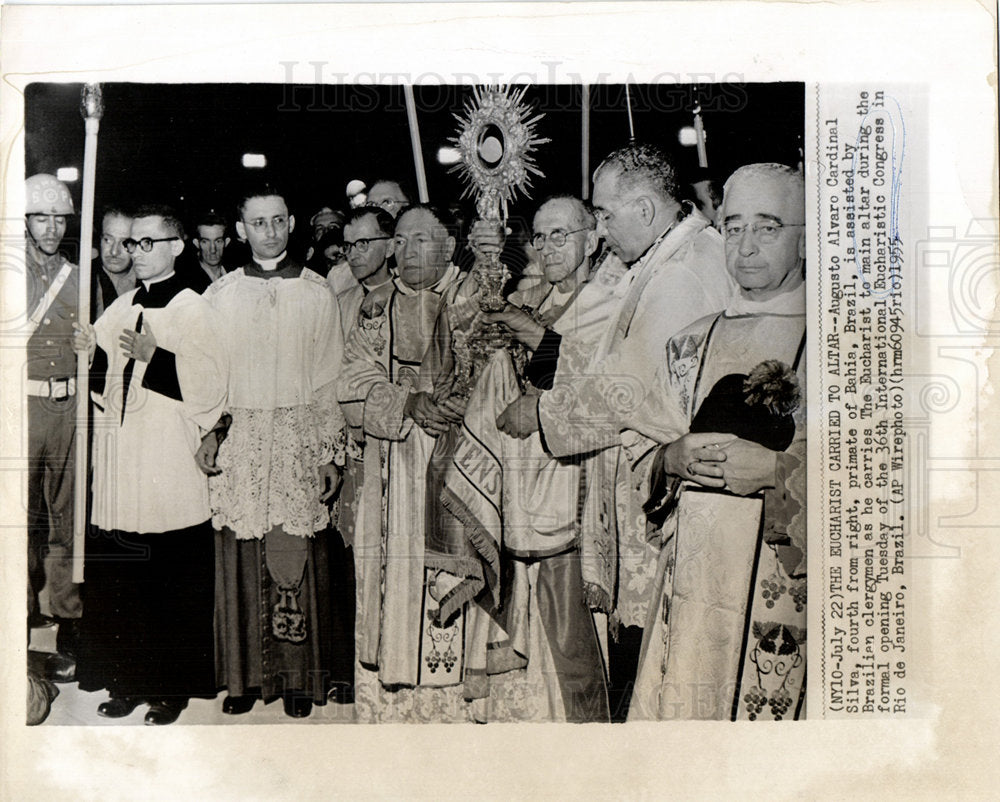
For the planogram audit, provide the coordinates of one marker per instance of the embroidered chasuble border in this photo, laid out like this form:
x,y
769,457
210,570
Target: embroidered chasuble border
x,y
748,616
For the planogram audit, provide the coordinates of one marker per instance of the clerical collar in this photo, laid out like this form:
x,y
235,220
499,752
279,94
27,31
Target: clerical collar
x,y
270,264
282,267
791,302
445,281
147,282
157,294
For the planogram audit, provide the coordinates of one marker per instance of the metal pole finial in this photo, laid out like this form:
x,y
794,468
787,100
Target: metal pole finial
x,y
92,102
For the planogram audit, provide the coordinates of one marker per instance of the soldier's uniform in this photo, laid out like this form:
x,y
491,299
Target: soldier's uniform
x,y
52,394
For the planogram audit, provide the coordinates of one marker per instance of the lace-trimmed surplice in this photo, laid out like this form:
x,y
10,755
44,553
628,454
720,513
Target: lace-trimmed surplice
x,y
284,343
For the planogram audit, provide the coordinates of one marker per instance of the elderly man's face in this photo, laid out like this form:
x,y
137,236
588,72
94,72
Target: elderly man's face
x,y
767,262
114,231
558,218
389,196
266,225
46,231
618,217
423,249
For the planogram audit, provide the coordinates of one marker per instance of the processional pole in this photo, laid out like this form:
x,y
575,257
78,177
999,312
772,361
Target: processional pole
x,y
585,143
92,109
699,129
628,107
418,154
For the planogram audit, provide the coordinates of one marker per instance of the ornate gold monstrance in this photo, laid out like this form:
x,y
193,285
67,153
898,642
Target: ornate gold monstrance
x,y
497,139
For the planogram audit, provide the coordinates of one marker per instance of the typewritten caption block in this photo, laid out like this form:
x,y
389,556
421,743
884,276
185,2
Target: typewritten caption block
x,y
862,150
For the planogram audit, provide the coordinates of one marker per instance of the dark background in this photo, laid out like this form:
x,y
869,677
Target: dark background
x,y
182,143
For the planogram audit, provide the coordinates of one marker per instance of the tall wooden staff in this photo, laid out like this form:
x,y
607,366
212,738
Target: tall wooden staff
x,y
92,109
418,154
699,129
628,108
585,142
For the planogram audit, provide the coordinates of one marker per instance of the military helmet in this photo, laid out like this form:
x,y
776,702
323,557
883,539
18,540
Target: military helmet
x,y
46,194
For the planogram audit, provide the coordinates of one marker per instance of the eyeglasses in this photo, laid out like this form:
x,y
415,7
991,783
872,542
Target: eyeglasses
x,y
766,231
260,223
557,238
362,244
146,243
390,203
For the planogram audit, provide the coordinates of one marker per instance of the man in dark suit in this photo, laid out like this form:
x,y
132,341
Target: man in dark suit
x,y
200,267
111,272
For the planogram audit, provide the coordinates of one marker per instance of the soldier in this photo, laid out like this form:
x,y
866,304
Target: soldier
x,y
51,387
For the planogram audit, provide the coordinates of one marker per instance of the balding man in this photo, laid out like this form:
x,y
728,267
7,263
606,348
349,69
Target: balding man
x,y
669,271
111,271
730,478
407,668
521,507
389,194
393,195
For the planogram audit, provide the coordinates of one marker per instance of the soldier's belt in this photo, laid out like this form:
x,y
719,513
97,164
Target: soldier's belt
x,y
52,388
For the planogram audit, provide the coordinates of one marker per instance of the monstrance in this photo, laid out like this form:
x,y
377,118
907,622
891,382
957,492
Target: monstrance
x,y
497,140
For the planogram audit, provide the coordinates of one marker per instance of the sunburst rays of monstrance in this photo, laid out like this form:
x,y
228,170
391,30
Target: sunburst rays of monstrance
x,y
497,139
